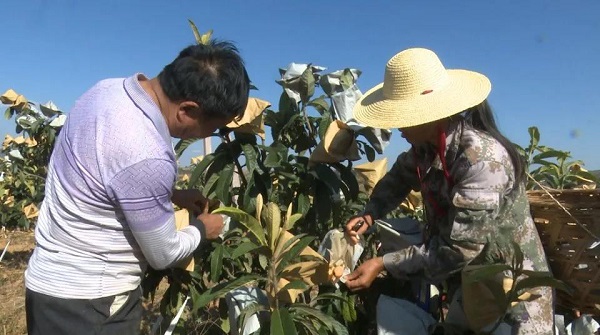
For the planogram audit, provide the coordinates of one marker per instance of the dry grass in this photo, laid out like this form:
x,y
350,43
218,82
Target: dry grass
x,y
12,287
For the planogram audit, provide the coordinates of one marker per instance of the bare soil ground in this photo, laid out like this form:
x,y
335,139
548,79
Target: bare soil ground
x,y
12,287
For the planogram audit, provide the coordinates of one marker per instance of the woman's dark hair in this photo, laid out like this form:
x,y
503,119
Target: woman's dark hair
x,y
212,75
481,117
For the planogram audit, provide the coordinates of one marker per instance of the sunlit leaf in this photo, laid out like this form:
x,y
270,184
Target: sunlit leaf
x,y
289,224
197,35
245,219
58,121
273,223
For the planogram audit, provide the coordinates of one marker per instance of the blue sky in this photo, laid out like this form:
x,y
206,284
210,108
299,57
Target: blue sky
x,y
541,56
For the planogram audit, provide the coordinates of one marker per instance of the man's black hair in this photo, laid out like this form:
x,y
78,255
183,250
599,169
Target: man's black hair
x,y
211,75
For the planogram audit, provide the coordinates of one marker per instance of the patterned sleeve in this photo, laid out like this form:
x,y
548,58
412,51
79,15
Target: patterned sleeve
x,y
143,192
476,201
393,188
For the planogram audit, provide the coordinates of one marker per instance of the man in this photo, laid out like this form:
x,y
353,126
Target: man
x,y
108,213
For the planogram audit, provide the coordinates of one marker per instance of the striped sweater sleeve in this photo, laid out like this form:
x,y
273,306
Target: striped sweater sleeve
x,y
143,192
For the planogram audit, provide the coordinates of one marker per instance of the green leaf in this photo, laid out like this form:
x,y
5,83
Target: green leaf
x,y
518,257
221,289
282,323
280,249
548,154
245,219
534,134
587,177
272,222
273,160
295,285
478,273
324,124
324,320
251,157
8,113
200,168
244,248
263,261
327,176
320,104
247,312
370,152
303,203
196,32
322,201
223,189
327,296
347,79
533,282
182,145
309,328
204,39
346,311
289,224
209,186
349,179
352,307
294,251
307,87
216,263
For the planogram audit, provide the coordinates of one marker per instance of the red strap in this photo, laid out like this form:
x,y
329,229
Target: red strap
x,y
441,151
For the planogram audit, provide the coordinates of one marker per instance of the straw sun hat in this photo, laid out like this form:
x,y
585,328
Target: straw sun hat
x,y
417,89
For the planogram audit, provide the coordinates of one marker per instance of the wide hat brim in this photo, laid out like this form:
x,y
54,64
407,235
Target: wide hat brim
x,y
464,90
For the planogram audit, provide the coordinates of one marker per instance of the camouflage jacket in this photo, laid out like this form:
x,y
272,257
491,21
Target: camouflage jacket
x,y
478,201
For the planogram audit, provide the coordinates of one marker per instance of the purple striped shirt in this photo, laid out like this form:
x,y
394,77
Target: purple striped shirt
x,y
107,212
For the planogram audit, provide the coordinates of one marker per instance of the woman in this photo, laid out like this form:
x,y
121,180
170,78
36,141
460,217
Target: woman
x,y
472,182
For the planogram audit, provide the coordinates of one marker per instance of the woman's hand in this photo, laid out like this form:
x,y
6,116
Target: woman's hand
x,y
365,274
357,226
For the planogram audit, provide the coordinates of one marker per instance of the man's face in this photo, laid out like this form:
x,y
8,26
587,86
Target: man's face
x,y
203,127
193,123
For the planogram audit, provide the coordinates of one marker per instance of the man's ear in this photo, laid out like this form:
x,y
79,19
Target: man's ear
x,y
188,110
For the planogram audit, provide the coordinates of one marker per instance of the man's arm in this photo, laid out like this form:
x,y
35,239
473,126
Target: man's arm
x,y
143,192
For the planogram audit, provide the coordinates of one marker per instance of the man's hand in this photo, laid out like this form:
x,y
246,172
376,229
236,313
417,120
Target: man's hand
x,y
213,223
354,228
365,274
193,200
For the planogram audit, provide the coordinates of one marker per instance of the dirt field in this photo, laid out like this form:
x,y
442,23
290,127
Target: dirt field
x,y
12,289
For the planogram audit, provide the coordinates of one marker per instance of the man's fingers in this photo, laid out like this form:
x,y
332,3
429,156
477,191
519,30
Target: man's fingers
x,y
205,208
